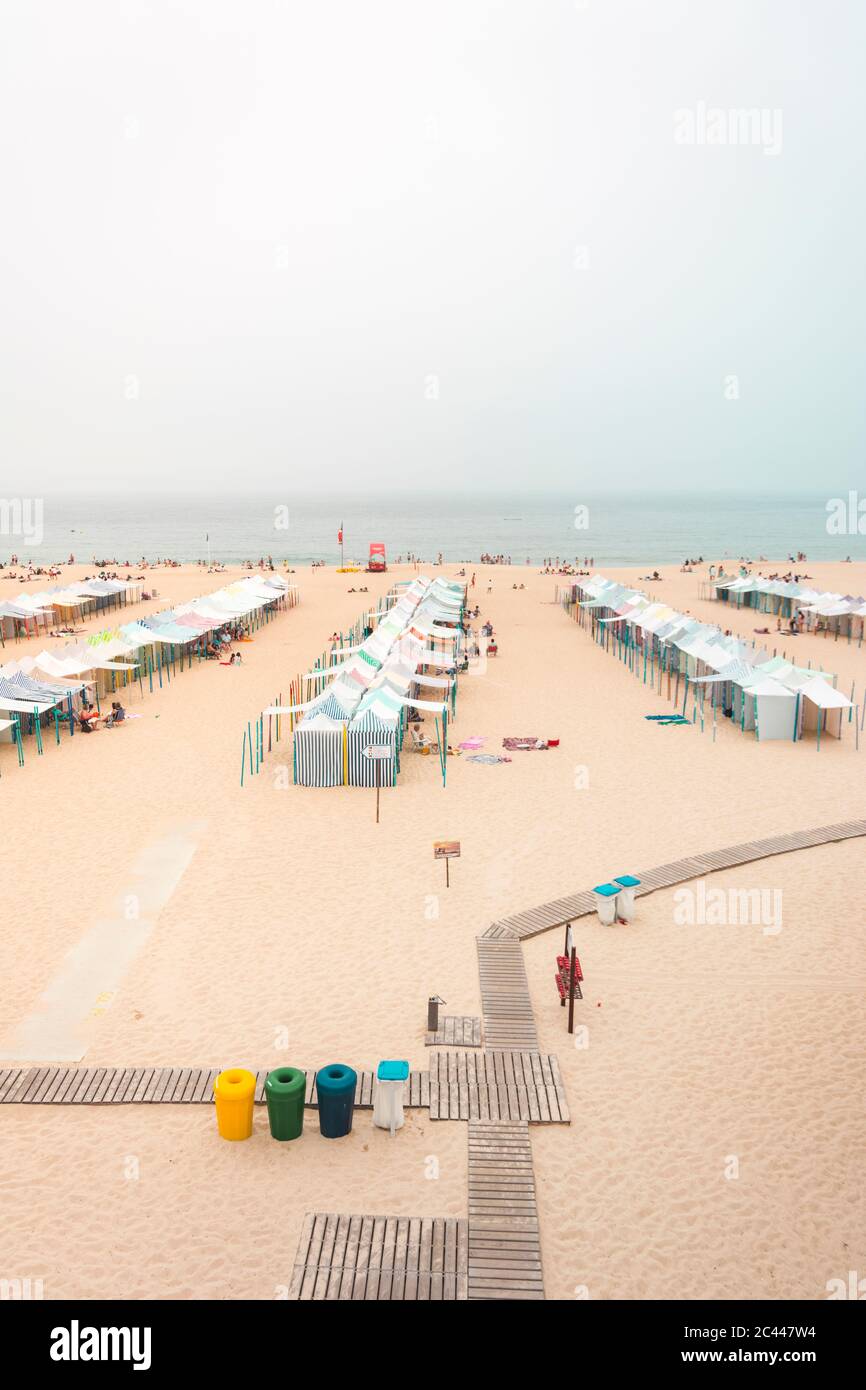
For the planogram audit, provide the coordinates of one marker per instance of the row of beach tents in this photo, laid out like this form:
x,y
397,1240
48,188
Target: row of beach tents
x,y
27,614
767,695
844,615
369,688
35,689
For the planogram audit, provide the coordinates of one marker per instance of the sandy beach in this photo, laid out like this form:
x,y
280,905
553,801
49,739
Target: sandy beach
x,y
291,928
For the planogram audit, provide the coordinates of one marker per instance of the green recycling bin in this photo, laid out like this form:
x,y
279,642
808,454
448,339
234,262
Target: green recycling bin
x,y
335,1088
285,1088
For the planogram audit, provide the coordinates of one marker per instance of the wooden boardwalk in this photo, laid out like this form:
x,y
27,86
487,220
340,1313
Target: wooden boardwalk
x,y
505,1003
562,910
164,1085
504,1245
455,1030
459,1086
514,1086
381,1258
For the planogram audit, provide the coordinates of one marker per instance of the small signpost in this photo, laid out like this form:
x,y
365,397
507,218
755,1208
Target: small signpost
x,y
376,752
447,850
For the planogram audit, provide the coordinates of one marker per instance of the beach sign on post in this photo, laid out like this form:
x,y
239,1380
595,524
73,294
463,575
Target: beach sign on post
x,y
376,752
447,850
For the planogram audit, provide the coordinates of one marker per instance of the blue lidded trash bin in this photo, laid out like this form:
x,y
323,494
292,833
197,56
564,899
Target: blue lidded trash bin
x,y
335,1089
625,901
605,902
391,1078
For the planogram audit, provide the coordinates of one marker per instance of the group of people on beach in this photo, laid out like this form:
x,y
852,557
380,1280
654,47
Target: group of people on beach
x,y
89,718
557,566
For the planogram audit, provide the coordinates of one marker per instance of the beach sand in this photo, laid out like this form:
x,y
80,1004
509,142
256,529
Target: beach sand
x,y
296,915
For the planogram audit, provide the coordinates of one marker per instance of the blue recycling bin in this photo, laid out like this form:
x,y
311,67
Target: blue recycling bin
x,y
335,1089
625,900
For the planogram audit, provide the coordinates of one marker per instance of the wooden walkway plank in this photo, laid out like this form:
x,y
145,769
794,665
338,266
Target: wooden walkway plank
x,y
381,1258
563,910
456,1030
504,1253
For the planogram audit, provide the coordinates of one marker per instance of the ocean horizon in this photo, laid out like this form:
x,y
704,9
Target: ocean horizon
x,y
641,529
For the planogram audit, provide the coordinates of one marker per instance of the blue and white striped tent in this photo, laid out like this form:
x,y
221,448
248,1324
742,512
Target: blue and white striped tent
x,y
319,752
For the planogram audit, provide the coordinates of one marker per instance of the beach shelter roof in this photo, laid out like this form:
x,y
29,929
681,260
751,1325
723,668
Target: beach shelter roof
x,y
740,672
823,695
13,697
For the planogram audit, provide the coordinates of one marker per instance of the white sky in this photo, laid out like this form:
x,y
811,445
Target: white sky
x,y
271,224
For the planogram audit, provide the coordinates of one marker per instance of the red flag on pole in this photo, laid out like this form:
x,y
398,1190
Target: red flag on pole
x,y
340,535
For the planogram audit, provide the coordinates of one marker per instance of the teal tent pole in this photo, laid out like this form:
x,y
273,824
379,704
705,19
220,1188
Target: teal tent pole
x,y
243,756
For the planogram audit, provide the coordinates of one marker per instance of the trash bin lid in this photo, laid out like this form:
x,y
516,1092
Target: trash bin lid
x,y
392,1071
628,881
607,890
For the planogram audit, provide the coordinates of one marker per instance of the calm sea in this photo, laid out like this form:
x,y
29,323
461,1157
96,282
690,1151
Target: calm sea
x,y
641,530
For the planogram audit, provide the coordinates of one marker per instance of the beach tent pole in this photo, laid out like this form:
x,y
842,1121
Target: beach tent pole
x,y
159,665
686,694
796,716
38,730
56,725
243,756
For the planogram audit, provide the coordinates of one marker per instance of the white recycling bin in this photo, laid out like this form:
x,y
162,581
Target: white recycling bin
x,y
625,900
605,902
388,1097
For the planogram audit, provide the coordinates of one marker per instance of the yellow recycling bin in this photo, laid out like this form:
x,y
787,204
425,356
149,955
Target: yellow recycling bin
x,y
234,1091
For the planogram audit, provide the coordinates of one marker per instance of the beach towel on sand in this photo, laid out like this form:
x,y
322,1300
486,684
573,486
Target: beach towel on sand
x,y
512,743
488,759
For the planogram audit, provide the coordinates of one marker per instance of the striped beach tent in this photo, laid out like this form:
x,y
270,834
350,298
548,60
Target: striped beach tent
x,y
320,752
368,729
